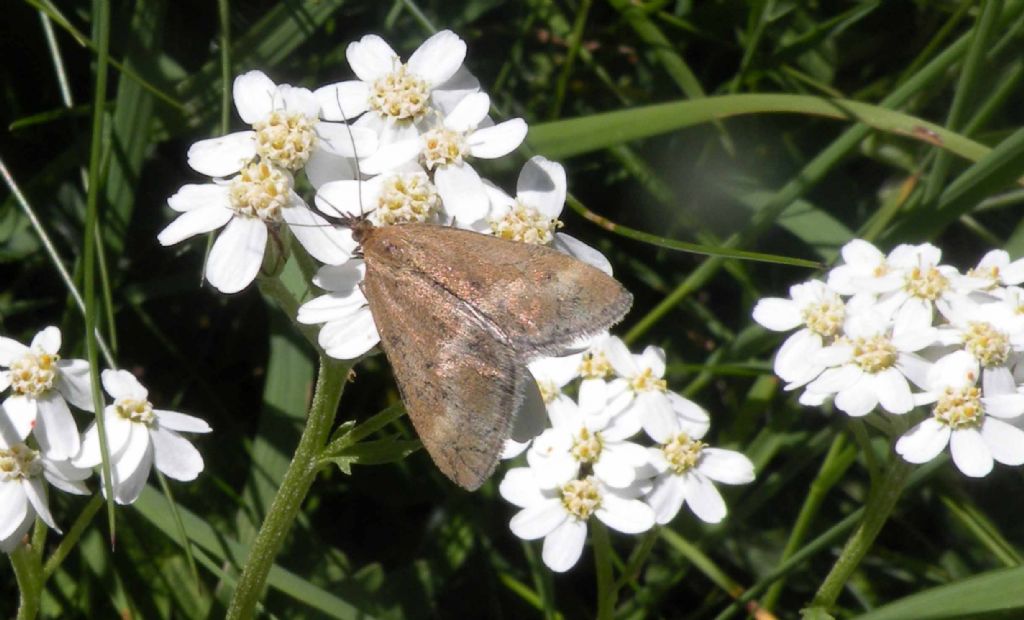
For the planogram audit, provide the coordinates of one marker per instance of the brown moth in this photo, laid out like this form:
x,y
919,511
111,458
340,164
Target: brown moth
x,y
460,314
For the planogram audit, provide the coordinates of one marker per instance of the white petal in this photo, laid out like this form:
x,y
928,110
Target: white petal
x,y
778,314
629,516
66,476
1005,442
553,470
343,101
36,495
692,418
1004,405
328,308
498,140
325,242
194,222
346,140
923,442
576,248
392,155
74,383
657,416
121,383
797,361
198,196
55,428
438,58
128,490
5,380
181,422
323,167
531,417
563,547
253,93
18,415
666,497
654,358
726,466
174,455
542,185
11,350
893,391
519,487
237,255
223,156
349,197
620,358
462,191
704,499
1013,273
538,520
349,339
970,452
371,58
469,113
14,507
47,340
997,381
295,99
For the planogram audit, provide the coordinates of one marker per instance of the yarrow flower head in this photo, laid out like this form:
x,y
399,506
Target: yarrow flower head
x,y
42,384
966,418
138,437
23,494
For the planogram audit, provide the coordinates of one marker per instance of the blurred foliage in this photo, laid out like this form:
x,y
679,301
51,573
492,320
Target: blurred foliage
x,y
398,540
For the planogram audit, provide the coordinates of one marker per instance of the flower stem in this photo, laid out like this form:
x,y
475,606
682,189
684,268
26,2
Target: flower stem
x,y
294,487
879,507
603,564
28,570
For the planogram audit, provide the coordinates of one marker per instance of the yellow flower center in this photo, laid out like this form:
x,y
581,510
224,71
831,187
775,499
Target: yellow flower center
x,y
959,407
873,354
586,446
682,453
409,197
988,345
443,147
926,283
260,190
647,382
33,373
825,318
139,411
400,95
527,224
595,366
19,462
548,391
286,139
581,497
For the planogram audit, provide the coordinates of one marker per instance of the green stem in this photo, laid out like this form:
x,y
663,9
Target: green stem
x,y
294,487
603,562
879,507
29,573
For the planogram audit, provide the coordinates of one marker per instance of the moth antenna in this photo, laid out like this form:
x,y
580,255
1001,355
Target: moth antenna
x,y
355,154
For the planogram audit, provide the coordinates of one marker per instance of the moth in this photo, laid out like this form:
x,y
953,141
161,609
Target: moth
x,y
460,314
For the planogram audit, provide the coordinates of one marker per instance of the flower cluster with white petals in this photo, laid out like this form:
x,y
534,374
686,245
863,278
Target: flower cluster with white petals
x,y
586,456
881,325
40,440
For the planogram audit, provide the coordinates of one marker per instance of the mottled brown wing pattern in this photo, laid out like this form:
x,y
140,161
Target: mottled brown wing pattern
x,y
460,379
540,298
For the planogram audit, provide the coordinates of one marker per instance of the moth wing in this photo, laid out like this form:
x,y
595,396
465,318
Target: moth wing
x,y
542,299
460,380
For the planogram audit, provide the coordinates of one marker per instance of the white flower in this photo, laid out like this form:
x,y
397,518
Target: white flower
x,y
640,391
820,311
391,91
256,201
686,467
42,385
992,333
532,216
550,374
286,131
965,419
871,363
865,270
348,329
23,495
926,285
585,436
995,269
559,515
139,436
403,195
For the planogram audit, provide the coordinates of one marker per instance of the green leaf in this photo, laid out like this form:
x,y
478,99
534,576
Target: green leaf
x,y
992,592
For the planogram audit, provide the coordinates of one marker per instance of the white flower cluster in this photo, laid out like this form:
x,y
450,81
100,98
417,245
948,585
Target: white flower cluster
x,y
39,438
396,145
587,464
881,325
